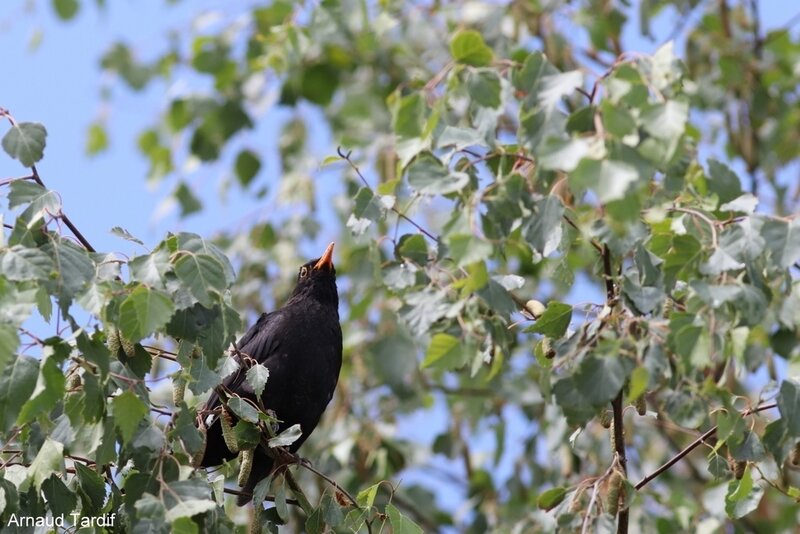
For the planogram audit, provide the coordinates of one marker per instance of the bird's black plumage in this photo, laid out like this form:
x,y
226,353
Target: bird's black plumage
x,y
301,345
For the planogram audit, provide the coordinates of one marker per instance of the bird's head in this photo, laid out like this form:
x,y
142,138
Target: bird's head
x,y
317,279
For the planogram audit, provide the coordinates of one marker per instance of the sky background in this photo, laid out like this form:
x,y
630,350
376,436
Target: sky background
x,y
58,82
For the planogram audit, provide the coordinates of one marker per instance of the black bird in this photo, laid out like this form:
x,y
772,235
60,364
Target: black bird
x,y
301,345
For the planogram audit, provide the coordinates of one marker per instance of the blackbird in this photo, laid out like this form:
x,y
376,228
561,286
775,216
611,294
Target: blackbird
x,y
301,345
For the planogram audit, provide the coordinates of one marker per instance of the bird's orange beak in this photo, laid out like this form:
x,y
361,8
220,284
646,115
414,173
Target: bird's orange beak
x,y
326,260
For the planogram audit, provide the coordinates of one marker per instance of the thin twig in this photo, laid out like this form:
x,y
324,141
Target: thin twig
x,y
399,213
693,445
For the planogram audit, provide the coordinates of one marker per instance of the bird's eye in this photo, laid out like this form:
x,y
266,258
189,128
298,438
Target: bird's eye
x,y
303,271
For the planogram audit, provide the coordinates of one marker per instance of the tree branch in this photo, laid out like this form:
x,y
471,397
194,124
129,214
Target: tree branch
x,y
693,445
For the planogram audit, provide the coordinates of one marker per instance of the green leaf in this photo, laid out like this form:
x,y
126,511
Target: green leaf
x,y
408,116
16,386
246,167
22,263
783,240
743,496
366,497
49,460
150,269
187,431
41,201
467,46
543,229
287,437
126,235
128,411
428,176
400,523
66,10
243,409
92,485
144,312
60,499
723,182
609,179
442,346
9,343
640,378
203,275
666,121
551,498
96,139
789,406
331,511
484,88
562,154
468,249
257,378
554,321
74,267
48,391
25,141
600,379
412,247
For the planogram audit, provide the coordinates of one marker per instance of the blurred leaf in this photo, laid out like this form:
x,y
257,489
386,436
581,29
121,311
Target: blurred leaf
x,y
187,200
96,139
247,166
467,46
551,498
66,10
428,176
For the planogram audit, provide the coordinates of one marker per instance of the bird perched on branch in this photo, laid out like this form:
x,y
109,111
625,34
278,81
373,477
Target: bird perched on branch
x,y
301,345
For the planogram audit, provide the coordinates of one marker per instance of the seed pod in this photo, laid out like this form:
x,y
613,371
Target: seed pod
x,y
198,456
614,489
255,522
612,438
127,347
641,405
227,431
178,390
535,308
74,382
606,418
737,466
794,457
547,348
245,465
113,341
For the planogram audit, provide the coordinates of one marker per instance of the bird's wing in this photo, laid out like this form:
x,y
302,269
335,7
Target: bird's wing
x,y
261,343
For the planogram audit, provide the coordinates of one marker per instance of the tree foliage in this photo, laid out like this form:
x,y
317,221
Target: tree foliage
x,y
491,155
